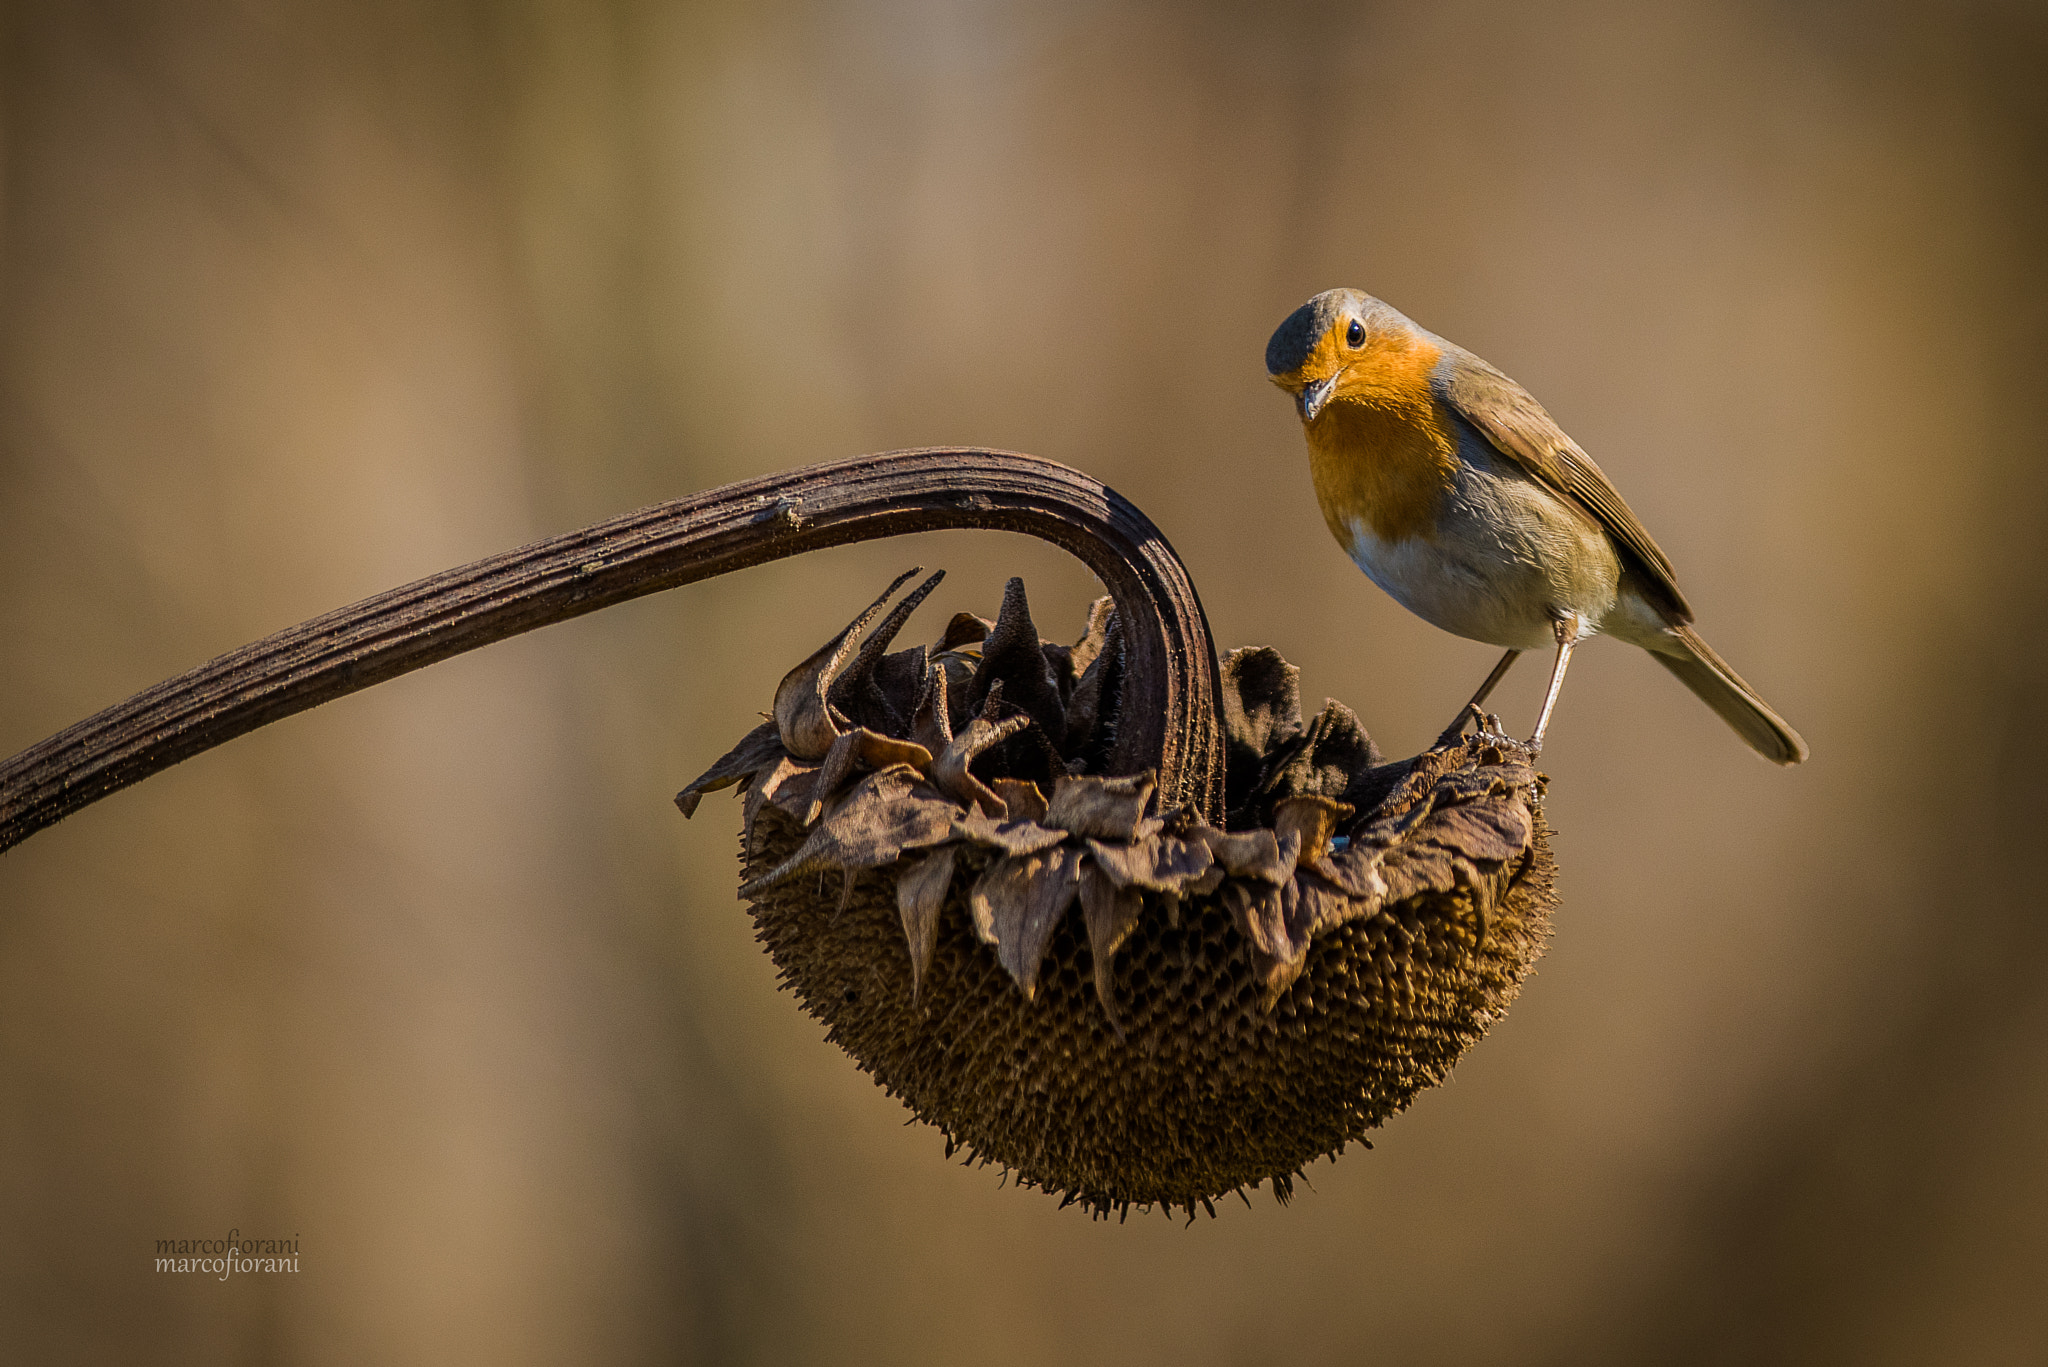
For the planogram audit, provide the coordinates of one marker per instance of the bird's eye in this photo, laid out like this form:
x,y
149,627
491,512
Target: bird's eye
x,y
1354,336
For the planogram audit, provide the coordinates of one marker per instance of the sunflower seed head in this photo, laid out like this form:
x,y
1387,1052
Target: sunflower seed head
x,y
1122,1005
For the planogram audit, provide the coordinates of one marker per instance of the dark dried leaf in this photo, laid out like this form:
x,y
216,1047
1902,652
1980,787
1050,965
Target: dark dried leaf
x,y
965,629
1082,654
1330,756
856,693
803,713
1092,711
758,749
1013,654
899,679
1030,754
920,895
1069,663
1017,904
1261,703
1112,913
959,667
1102,808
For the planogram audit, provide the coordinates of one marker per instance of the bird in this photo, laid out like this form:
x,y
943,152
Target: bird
x,y
1452,488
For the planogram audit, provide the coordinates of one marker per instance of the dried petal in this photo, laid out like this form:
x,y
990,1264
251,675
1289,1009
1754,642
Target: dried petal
x,y
833,773
1021,798
758,749
1261,916
1486,781
1249,854
1260,913
787,784
860,747
1164,863
1112,913
1313,819
1104,808
1011,837
1017,904
1413,869
878,751
885,814
803,714
1323,908
920,895
950,769
1496,830
1354,871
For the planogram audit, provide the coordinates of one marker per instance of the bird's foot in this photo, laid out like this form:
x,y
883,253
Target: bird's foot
x,y
1490,729
1491,733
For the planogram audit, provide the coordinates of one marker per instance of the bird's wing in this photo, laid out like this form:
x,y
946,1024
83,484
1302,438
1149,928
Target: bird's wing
x,y
1509,417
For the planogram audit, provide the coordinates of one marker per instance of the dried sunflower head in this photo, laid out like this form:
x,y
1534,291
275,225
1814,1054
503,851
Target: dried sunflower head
x,y
1122,1004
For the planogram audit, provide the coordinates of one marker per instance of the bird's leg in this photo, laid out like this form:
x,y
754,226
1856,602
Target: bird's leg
x,y
1566,628
1472,709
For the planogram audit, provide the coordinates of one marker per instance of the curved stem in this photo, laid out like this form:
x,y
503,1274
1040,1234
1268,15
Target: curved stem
x,y
1169,705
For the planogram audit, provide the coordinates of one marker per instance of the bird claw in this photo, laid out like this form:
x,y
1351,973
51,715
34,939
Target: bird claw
x,y
1491,733
1490,729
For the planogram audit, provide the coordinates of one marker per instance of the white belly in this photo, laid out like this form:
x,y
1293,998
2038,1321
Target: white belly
x,y
1507,559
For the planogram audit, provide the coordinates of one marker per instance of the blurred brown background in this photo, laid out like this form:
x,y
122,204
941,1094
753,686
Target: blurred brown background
x,y
298,302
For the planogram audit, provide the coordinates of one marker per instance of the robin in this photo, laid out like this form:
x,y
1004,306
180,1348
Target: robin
x,y
1456,493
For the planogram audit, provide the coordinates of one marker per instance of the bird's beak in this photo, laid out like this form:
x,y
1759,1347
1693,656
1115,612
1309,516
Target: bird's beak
x,y
1311,397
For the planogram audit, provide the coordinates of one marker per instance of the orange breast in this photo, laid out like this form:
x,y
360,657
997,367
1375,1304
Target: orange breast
x,y
1383,452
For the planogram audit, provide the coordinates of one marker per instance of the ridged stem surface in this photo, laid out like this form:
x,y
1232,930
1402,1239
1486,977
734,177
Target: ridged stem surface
x,y
1169,707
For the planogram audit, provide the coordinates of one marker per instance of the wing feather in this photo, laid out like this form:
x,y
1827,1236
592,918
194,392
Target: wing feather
x,y
1511,420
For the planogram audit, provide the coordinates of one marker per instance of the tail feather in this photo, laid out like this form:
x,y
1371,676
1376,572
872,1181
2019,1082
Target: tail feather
x,y
1734,701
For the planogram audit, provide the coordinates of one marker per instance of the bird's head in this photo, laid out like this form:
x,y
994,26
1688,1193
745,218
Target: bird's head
x,y
1336,346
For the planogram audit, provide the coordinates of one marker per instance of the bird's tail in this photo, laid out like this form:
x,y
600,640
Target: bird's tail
x,y
1722,689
